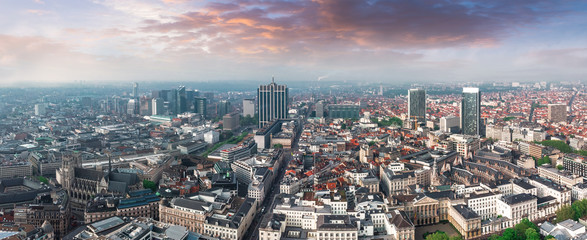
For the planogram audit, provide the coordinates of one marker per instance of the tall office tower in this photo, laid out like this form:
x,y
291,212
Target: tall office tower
x,y
40,109
172,102
135,90
272,102
181,105
320,109
200,106
449,124
189,100
249,107
146,108
557,112
222,108
417,105
157,106
131,107
380,90
471,111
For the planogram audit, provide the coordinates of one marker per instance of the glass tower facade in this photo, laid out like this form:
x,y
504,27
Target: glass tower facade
x,y
417,105
471,111
272,102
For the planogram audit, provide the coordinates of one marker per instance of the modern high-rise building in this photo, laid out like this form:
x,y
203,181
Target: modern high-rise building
x,y
200,106
181,105
135,90
223,107
344,111
320,109
40,109
272,101
449,124
132,106
172,102
249,107
157,106
471,111
417,105
557,112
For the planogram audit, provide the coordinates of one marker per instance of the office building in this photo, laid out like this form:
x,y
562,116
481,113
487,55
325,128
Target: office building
x,y
231,121
181,105
320,109
471,111
201,106
249,107
343,111
557,112
450,124
40,109
417,105
272,101
223,107
135,90
131,107
172,102
157,106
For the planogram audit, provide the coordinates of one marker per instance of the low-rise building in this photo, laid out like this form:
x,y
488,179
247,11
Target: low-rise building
x,y
465,220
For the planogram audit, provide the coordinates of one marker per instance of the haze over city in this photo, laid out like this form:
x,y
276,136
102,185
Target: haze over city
x,y
106,41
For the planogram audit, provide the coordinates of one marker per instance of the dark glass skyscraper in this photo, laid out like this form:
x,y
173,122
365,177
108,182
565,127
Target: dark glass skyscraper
x,y
223,107
200,105
272,102
471,111
181,105
417,105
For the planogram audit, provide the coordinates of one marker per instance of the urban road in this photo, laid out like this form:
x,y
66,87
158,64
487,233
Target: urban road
x,y
269,201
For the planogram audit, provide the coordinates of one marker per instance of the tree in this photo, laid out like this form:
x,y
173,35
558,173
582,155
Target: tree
x,y
437,236
149,185
564,213
43,180
279,145
580,208
560,167
531,234
508,234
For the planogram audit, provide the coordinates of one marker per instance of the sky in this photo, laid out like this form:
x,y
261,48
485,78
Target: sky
x,y
113,41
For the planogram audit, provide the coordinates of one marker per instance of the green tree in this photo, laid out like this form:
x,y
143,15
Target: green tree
x,y
531,234
437,236
564,213
279,145
560,167
43,180
580,208
508,234
149,185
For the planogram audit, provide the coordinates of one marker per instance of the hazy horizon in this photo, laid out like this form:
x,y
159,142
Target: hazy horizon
x,y
56,43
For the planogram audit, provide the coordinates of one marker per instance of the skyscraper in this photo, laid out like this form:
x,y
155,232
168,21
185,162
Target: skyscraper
x,y
181,105
157,106
200,105
222,108
272,102
248,107
172,102
471,111
557,112
320,109
135,90
417,105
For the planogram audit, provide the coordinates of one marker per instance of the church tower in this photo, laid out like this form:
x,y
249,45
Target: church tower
x,y
69,162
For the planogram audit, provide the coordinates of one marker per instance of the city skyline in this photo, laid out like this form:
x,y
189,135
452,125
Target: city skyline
x,y
43,42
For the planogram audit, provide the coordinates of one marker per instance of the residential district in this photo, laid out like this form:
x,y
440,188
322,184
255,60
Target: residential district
x,y
437,161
